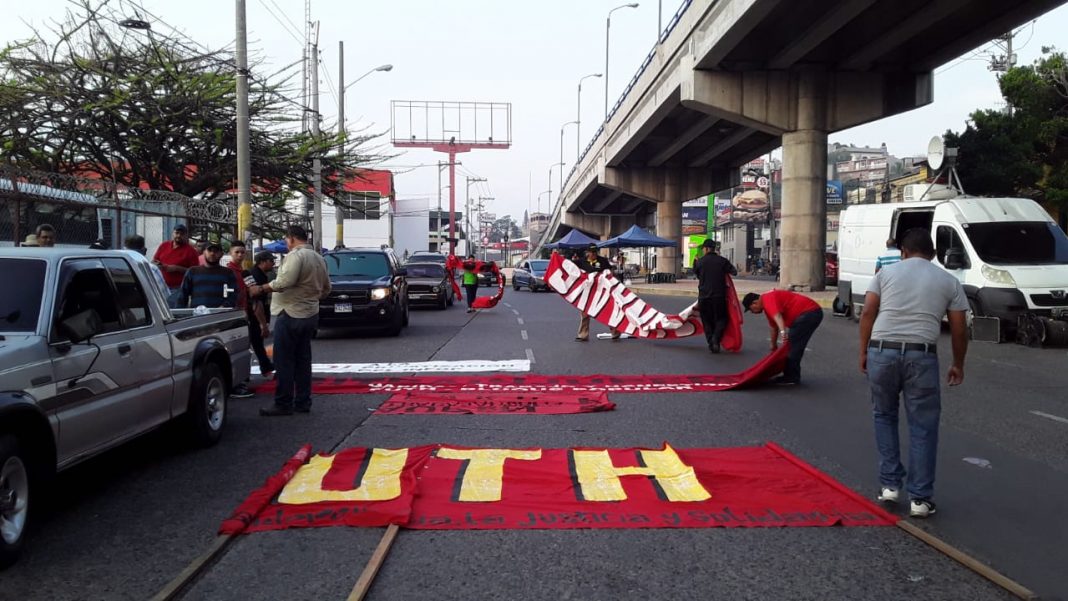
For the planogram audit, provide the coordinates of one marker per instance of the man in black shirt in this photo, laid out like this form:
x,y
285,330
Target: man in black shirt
x,y
592,263
258,274
712,270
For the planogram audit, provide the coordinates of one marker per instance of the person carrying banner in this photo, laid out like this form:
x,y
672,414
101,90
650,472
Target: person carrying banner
x,y
899,329
793,319
470,281
712,272
592,263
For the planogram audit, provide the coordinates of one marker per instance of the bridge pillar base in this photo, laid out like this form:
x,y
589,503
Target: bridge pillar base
x,y
804,212
669,225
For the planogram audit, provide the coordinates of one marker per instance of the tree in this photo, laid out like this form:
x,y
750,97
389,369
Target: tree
x,y
505,226
93,98
1023,152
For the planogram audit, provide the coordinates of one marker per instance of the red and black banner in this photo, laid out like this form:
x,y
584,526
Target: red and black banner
x,y
463,488
603,297
452,263
503,403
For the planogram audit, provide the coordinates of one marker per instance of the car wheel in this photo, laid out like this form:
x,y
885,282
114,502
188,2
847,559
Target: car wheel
x,y
207,405
406,316
14,499
394,329
444,304
515,284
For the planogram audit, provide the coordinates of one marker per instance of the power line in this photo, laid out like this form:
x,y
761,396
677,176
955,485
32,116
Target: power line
x,y
295,36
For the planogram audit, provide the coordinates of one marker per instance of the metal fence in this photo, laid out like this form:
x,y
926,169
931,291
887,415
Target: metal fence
x,y
86,210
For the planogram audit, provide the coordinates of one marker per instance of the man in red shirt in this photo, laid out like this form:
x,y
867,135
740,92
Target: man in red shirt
x,y
174,258
793,318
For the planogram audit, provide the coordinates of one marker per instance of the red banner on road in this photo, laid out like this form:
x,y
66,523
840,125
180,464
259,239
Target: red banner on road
x,y
543,403
472,488
489,302
767,367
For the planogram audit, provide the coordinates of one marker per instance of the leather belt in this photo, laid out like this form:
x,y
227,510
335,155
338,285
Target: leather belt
x,y
903,346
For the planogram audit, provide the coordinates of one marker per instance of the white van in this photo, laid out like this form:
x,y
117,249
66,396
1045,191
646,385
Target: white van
x,y
1007,252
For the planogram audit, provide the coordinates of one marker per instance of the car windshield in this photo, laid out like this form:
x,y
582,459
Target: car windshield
x,y
21,305
370,265
538,266
426,271
1018,243
428,257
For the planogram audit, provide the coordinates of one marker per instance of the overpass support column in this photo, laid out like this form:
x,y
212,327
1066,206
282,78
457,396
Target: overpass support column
x,y
804,185
669,224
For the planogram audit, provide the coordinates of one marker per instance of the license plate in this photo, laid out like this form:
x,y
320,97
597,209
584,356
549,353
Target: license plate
x,y
343,308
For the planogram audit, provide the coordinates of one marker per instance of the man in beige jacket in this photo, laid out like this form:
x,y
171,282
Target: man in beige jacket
x,y
302,281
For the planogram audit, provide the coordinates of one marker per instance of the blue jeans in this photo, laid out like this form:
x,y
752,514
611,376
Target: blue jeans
x,y
800,333
293,360
173,297
912,376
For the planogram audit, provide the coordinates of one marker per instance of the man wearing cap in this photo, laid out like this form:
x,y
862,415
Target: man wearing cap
x,y
793,318
899,329
211,285
592,263
174,257
712,271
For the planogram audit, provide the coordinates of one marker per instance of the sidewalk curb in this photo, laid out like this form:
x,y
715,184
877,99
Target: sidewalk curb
x,y
692,293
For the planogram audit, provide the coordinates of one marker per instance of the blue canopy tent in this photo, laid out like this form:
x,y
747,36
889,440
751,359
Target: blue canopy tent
x,y
572,239
636,237
278,246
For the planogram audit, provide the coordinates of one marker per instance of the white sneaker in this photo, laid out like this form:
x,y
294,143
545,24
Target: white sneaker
x,y
889,495
921,508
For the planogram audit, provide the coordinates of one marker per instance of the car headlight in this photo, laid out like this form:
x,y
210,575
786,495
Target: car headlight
x,y
379,293
435,289
998,276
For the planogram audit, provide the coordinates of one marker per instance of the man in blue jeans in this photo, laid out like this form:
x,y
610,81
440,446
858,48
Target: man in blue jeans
x,y
302,281
899,330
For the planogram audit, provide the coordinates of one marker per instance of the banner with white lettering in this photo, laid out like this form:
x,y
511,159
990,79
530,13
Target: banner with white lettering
x,y
532,488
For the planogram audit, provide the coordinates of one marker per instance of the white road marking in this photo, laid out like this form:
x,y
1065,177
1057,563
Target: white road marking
x,y
523,333
530,355
507,304
423,367
515,311
1055,418
520,320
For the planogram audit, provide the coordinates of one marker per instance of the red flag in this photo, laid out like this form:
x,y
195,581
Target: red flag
x,y
488,302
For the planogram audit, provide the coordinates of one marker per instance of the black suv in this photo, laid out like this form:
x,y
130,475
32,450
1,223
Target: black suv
x,y
370,291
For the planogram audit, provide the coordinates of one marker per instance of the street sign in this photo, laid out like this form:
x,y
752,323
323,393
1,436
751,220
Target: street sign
x,y
485,239
762,182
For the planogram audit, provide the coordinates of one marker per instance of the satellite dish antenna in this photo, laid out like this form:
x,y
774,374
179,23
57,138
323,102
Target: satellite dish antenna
x,y
936,152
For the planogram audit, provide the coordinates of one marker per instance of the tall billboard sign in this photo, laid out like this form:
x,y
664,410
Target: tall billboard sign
x,y
834,192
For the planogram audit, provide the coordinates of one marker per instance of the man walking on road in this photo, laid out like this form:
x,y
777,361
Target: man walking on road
x,y
470,281
793,319
899,329
890,256
712,271
592,263
174,257
301,283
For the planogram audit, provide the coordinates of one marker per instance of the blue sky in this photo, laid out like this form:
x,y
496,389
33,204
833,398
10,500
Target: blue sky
x,y
530,54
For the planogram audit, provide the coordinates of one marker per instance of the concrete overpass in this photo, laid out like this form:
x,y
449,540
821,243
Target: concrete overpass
x,y
730,80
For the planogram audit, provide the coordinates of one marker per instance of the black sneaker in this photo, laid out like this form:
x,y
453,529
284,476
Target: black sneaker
x,y
275,411
241,392
302,409
714,348
782,381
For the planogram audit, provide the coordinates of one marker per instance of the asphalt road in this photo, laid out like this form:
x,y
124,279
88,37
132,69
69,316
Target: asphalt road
x,y
123,525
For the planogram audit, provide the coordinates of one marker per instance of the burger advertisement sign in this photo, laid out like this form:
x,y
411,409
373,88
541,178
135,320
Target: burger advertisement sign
x,y
750,206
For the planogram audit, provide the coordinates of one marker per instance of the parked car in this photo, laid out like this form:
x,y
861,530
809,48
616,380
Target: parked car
x,y
91,357
530,274
369,291
830,268
428,284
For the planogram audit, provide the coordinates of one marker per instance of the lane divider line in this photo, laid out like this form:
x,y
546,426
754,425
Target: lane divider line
x,y
1055,418
523,333
530,355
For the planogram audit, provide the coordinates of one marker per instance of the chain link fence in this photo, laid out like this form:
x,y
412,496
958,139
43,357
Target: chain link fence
x,y
84,211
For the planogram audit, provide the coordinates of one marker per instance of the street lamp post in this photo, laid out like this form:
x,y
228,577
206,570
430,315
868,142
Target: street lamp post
x,y
541,232
562,153
607,28
578,116
339,219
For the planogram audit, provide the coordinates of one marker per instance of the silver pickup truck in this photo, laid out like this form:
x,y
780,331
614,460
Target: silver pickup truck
x,y
90,357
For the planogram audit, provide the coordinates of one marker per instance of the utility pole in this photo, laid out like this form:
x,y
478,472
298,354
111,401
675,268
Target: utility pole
x,y
771,207
482,231
1002,64
339,218
244,169
467,205
437,228
317,163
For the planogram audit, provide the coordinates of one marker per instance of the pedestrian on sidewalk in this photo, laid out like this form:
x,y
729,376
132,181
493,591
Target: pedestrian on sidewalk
x,y
174,257
899,329
260,306
301,283
470,281
890,256
593,263
793,319
712,272
210,285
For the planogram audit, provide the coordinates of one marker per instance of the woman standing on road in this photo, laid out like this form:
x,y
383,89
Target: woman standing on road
x,y
470,281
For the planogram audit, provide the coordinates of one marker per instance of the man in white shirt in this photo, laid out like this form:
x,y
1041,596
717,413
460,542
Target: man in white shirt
x,y
899,331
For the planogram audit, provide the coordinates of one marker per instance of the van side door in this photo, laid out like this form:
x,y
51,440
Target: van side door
x,y
95,381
